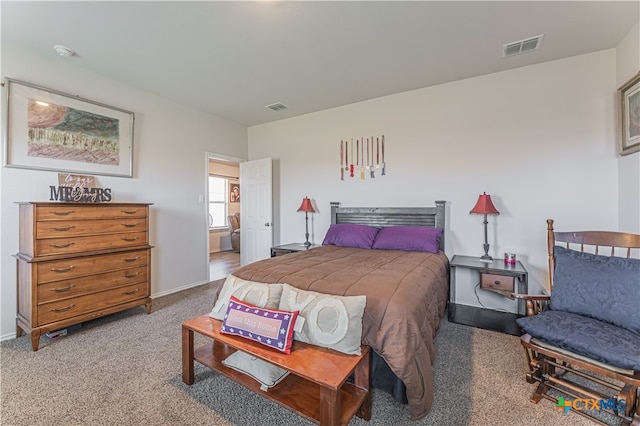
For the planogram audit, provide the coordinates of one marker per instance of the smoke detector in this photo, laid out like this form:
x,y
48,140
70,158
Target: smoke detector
x,y
522,46
278,106
64,51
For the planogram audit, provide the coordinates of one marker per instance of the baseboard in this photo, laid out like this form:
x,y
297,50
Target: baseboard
x,y
8,337
176,290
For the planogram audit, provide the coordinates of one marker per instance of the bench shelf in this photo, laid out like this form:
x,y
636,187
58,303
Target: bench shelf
x,y
316,388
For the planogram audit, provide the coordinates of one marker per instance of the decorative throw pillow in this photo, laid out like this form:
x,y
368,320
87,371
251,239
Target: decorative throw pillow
x,y
259,294
408,238
330,321
600,287
267,374
350,235
271,327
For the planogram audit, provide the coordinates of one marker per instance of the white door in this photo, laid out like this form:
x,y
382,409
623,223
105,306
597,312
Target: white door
x,y
256,216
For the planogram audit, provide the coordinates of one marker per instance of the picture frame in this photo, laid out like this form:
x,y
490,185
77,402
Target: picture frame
x,y
50,130
234,192
628,96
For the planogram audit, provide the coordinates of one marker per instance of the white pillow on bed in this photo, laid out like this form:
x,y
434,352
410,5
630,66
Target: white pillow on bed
x,y
267,374
330,321
258,294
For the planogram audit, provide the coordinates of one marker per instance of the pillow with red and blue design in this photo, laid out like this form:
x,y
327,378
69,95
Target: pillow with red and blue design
x,y
270,327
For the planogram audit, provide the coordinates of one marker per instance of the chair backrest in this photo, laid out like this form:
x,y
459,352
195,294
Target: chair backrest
x,y
622,241
234,222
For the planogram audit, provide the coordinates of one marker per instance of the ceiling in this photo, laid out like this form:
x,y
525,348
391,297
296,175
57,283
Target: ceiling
x,y
232,59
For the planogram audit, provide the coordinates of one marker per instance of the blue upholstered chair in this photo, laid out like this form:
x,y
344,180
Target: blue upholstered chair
x,y
583,341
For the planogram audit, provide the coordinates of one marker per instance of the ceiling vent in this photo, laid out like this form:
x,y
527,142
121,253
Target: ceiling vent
x,y
522,46
277,106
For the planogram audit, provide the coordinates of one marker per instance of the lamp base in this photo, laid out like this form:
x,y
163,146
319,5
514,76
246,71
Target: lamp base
x,y
485,257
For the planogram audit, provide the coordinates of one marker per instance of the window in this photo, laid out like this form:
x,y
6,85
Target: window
x,y
218,202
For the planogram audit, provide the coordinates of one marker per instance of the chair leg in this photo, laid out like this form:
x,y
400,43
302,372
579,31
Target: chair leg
x,y
539,393
628,395
636,416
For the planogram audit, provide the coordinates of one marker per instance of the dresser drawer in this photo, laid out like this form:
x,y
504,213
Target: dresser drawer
x,y
58,246
83,266
497,282
73,228
65,289
69,308
80,212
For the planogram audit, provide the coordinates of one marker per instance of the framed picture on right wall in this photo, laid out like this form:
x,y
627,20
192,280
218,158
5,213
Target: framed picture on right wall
x,y
629,116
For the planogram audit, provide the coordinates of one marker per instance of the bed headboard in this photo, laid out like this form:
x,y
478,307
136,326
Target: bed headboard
x,y
431,217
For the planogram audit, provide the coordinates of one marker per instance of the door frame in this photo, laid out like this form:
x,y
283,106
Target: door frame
x,y
205,211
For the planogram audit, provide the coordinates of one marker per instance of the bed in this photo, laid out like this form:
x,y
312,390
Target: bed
x,y
406,294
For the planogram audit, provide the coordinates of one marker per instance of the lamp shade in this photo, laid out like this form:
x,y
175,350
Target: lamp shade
x,y
484,205
306,206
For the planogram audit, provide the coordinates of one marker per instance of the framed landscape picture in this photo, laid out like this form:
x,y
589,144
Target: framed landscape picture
x,y
629,116
50,130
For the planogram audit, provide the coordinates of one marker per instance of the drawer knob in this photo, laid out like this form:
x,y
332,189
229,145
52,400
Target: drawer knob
x,y
65,309
129,211
131,259
131,292
62,229
496,282
62,245
67,213
130,239
131,275
129,225
67,269
63,289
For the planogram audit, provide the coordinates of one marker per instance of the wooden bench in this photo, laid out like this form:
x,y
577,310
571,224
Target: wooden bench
x,y
317,387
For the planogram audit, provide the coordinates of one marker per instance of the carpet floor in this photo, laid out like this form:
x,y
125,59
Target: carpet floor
x,y
125,369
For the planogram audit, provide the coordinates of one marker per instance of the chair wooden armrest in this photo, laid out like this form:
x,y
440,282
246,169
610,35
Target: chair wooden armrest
x,y
534,303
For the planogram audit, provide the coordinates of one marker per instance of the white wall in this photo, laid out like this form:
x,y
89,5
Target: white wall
x,y
628,65
170,170
539,139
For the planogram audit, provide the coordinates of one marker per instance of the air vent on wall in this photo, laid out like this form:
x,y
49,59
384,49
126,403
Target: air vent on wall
x,y
522,46
277,106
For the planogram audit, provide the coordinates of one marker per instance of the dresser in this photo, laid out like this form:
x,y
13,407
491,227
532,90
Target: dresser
x,y
80,261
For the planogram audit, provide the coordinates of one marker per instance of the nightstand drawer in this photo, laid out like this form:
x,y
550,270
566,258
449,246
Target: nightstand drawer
x,y
497,282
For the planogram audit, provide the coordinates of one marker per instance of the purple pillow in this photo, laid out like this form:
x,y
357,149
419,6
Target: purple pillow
x,y
350,235
409,238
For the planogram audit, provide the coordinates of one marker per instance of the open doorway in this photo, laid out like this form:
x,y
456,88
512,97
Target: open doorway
x,y
223,212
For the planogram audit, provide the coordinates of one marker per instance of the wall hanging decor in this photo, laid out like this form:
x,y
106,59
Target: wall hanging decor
x,y
234,192
49,130
368,154
629,116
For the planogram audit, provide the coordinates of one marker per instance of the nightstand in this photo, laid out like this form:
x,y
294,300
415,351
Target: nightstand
x,y
290,248
494,276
